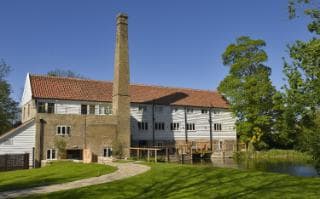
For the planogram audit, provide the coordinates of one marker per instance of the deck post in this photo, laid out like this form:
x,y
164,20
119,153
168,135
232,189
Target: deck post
x,y
155,156
148,155
138,154
167,155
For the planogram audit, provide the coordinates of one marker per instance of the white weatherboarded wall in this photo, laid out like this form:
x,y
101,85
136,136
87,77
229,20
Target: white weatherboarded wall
x,y
19,141
176,114
27,93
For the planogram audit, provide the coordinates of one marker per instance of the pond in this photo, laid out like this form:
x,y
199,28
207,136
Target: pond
x,y
286,167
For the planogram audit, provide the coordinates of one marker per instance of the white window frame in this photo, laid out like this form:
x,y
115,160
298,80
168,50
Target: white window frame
x,y
190,110
175,126
67,130
143,126
107,152
191,127
142,108
204,111
51,152
105,109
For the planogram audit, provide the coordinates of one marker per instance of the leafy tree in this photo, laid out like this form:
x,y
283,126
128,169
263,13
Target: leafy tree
x,y
8,107
60,144
303,83
311,10
249,90
64,73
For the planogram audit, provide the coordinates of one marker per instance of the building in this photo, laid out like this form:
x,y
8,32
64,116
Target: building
x,y
95,117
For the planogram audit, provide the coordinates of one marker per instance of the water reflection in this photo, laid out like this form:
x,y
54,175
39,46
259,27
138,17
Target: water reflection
x,y
287,167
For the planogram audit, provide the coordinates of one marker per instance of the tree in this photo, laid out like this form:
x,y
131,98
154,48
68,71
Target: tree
x,y
60,144
303,83
249,90
8,107
64,73
311,10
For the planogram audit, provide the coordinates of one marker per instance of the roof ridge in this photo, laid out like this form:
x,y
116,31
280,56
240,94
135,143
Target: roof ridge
x,y
72,78
173,87
132,84
16,128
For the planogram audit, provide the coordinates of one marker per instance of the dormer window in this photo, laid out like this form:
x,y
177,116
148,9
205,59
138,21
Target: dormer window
x,y
84,109
41,107
189,110
50,107
92,109
204,111
142,108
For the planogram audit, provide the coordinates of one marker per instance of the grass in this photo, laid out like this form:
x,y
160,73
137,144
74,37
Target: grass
x,y
276,154
55,173
188,181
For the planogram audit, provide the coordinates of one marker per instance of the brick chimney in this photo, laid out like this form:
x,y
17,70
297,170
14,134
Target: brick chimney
x,y
120,97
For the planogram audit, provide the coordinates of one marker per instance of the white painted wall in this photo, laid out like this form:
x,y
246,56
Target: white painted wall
x,y
177,114
20,141
27,93
166,114
72,107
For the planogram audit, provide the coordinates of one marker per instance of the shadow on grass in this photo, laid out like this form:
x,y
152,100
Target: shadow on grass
x,y
182,181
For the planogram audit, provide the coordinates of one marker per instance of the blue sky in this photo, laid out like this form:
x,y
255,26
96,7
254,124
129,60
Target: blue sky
x,y
172,42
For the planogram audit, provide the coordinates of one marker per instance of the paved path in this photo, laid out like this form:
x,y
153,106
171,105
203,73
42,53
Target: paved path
x,y
124,170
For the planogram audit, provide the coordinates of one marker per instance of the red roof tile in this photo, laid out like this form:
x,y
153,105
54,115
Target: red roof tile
x,y
63,88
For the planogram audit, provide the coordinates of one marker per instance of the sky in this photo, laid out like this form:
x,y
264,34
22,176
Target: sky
x,y
175,43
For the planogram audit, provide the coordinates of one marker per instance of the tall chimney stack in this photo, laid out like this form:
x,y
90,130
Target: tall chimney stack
x,y
120,96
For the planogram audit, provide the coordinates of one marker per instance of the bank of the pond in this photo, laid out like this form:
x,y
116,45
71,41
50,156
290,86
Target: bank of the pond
x,y
275,154
190,181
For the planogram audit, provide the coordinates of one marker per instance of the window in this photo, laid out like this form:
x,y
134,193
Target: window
x,y
217,126
63,130
41,107
216,112
191,126
174,110
189,110
50,107
8,141
142,108
84,109
105,109
159,109
204,111
143,125
92,109
51,154
159,125
107,152
174,126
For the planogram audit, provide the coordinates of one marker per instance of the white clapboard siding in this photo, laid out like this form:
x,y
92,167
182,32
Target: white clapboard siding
x,y
169,114
19,141
27,94
166,114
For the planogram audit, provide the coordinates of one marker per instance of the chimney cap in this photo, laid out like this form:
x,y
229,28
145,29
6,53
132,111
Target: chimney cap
x,y
122,15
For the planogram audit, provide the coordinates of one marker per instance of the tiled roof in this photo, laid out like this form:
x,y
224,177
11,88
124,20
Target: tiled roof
x,y
63,88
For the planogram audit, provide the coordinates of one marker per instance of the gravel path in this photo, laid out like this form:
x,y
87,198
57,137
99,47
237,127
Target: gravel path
x,y
124,170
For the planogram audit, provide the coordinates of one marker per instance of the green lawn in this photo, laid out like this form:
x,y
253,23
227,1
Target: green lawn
x,y
55,173
186,181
